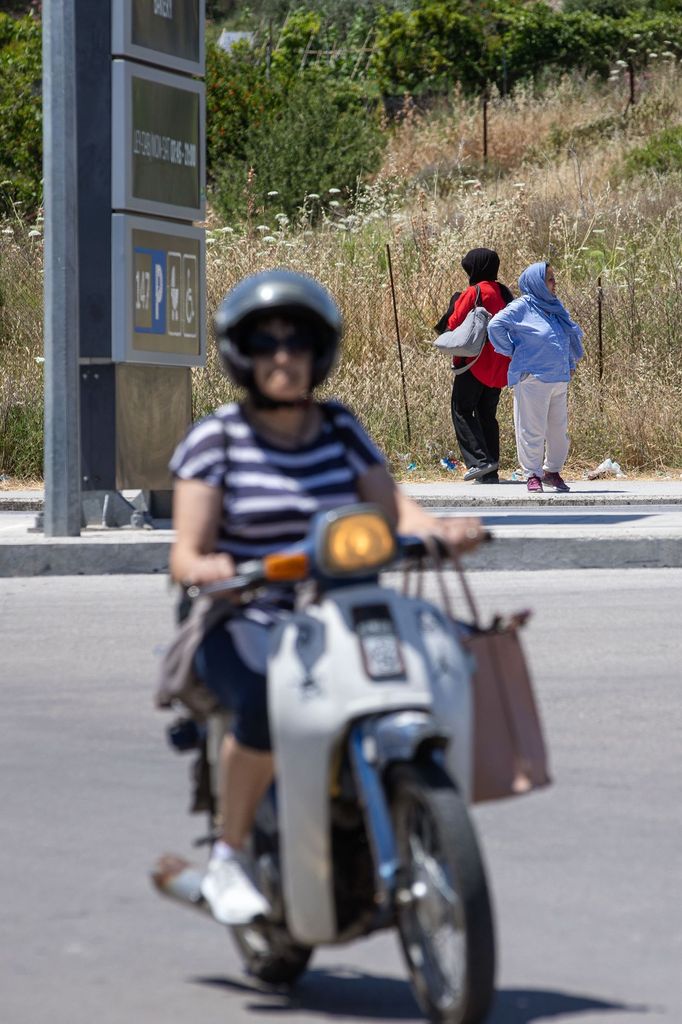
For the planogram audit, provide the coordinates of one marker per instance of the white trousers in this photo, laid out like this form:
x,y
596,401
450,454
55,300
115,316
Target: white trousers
x,y
541,425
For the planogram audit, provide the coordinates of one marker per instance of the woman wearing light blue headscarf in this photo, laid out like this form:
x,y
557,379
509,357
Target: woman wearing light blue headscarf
x,y
545,345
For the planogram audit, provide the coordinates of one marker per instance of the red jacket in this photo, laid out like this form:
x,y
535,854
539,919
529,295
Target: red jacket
x,y
490,367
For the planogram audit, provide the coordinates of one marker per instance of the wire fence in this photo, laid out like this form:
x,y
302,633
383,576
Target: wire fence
x,y
625,400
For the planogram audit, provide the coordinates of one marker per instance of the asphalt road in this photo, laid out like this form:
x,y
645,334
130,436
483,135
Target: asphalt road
x,y
586,875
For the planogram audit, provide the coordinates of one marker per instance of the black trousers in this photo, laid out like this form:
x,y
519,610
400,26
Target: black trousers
x,y
474,408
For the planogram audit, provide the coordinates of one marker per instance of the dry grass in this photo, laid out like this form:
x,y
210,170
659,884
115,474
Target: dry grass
x,y
21,346
553,189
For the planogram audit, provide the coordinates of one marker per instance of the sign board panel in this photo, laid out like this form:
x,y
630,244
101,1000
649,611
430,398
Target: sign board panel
x,y
158,298
158,142
166,32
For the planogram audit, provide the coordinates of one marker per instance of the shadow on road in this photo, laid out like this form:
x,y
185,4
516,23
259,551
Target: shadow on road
x,y
342,993
523,1006
370,997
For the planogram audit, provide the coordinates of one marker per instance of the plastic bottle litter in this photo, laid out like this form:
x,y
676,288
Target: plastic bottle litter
x,y
448,463
411,466
518,474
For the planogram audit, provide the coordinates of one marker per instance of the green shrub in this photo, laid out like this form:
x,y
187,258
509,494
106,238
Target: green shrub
x,y
238,98
288,133
621,8
438,44
540,38
662,154
20,115
430,48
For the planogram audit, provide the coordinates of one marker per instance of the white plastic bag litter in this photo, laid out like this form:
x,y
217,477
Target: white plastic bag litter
x,y
605,468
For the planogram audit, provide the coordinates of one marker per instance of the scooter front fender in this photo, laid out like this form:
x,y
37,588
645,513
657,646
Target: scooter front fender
x,y
398,736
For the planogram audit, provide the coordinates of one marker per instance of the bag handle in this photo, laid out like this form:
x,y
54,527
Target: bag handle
x,y
431,544
463,369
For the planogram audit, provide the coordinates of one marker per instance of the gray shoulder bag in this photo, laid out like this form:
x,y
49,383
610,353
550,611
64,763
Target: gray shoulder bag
x,y
467,340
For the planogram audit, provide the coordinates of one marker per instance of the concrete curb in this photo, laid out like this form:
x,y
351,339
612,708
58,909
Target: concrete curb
x,y
21,504
547,500
73,556
512,551
450,499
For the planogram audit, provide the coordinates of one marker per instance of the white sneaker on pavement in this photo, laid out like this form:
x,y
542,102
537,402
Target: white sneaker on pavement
x,y
230,893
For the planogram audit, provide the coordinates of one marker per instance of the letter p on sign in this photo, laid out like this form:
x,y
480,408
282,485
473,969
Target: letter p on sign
x,y
158,289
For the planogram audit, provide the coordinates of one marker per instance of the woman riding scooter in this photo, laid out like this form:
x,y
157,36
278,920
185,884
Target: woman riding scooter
x,y
248,479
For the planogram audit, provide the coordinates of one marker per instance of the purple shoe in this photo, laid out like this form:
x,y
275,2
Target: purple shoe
x,y
556,481
534,484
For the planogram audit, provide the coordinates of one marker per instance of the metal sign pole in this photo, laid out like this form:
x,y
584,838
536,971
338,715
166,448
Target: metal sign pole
x,y
62,448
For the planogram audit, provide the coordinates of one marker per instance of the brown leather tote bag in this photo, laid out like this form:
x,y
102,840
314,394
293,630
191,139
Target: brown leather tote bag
x,y
510,756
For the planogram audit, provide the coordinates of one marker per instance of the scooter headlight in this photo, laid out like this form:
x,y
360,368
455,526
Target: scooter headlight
x,y
359,542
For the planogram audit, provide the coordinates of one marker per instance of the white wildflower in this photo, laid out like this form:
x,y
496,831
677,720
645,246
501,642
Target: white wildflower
x,y
334,191
269,238
273,194
312,195
262,228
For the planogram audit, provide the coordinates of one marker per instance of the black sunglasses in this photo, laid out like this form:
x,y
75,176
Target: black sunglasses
x,y
261,343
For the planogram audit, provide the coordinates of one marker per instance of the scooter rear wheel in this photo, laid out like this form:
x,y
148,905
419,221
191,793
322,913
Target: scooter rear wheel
x,y
444,914
270,954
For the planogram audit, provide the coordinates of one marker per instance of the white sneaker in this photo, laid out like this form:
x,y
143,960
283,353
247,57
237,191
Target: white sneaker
x,y
230,893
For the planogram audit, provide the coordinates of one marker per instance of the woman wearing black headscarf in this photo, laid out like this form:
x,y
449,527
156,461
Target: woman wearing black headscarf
x,y
476,393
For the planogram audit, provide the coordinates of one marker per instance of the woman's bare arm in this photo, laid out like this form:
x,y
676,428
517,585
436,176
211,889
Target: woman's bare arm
x,y
197,508
378,486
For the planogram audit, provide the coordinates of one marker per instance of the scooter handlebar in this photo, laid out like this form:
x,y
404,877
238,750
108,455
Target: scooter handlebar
x,y
252,573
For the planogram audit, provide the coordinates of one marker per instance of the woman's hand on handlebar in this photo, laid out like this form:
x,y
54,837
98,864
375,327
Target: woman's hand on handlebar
x,y
459,533
211,568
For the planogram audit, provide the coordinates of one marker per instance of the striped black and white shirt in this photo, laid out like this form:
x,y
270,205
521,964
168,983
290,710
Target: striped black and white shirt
x,y
271,493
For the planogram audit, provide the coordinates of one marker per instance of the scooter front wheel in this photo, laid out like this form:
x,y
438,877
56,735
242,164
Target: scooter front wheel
x,y
444,914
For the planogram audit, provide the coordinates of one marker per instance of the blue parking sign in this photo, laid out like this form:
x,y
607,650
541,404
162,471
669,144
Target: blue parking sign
x,y
150,290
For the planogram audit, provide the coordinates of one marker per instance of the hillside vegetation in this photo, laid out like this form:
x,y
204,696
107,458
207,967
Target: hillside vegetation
x,y
575,173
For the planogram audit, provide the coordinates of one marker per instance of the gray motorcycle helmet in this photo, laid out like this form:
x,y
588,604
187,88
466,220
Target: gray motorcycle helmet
x,y
272,293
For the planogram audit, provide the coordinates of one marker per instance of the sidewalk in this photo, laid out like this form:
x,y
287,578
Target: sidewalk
x,y
608,523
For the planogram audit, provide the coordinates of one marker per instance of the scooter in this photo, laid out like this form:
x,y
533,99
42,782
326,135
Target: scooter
x,y
367,825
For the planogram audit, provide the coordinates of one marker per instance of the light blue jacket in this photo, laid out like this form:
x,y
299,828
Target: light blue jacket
x,y
538,342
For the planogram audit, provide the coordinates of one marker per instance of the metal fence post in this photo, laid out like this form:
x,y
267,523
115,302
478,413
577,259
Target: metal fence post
x,y
631,75
62,431
400,347
600,338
